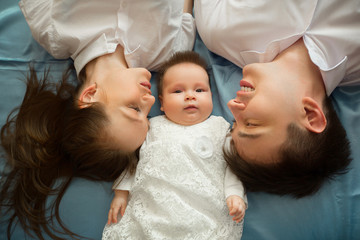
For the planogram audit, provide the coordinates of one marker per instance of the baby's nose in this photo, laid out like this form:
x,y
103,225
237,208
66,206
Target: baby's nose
x,y
190,96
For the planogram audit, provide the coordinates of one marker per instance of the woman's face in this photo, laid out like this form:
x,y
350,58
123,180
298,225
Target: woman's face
x,y
127,98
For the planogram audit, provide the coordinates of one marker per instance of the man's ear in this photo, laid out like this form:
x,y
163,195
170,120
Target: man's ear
x,y
315,120
87,96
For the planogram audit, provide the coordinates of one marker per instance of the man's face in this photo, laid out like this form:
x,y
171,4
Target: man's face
x,y
264,107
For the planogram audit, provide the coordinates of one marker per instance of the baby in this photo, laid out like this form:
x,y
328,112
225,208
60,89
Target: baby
x,y
182,188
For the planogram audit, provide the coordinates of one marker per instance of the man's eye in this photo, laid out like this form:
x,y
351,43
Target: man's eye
x,y
248,124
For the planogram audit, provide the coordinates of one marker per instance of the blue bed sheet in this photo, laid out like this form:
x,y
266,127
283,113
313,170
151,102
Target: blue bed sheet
x,y
332,213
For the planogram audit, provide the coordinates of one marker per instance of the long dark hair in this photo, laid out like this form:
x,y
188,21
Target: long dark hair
x,y
49,138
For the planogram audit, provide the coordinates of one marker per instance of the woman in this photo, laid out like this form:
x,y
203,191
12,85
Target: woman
x,y
92,130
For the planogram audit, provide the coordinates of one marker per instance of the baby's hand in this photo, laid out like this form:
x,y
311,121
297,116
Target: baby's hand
x,y
118,203
236,207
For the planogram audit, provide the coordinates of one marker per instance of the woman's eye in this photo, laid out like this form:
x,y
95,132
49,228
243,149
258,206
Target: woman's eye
x,y
135,108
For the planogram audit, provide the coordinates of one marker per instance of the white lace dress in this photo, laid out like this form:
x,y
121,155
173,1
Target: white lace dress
x,y
178,191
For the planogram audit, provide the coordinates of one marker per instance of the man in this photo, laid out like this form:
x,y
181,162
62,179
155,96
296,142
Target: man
x,y
287,138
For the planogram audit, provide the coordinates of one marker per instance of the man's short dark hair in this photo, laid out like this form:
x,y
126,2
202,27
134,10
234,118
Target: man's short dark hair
x,y
307,160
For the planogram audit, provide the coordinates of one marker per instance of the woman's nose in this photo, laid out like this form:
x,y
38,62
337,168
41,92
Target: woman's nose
x,y
148,99
144,72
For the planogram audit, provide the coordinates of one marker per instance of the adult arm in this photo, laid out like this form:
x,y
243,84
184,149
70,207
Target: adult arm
x,y
188,6
39,14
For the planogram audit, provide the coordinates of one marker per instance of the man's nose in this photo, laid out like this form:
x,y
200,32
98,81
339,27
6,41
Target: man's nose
x,y
236,105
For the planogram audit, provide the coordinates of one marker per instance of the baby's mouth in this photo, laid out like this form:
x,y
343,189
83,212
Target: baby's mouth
x,y
190,107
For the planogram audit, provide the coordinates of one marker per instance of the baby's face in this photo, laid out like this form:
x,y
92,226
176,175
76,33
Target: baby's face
x,y
186,98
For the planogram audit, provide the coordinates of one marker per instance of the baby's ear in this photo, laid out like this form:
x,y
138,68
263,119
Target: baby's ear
x,y
87,96
161,102
315,118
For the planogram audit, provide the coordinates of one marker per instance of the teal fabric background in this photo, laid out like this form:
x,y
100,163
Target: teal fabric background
x,y
333,213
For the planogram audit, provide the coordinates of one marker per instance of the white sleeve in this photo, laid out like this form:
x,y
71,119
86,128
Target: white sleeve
x,y
39,15
124,182
188,32
233,186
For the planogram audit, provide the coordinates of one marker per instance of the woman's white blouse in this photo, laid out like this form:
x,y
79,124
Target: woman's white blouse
x,y
249,31
149,31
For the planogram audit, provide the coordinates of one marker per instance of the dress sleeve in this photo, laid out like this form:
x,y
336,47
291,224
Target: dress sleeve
x,y
233,186
124,182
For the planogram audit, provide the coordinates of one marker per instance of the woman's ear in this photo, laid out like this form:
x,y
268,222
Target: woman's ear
x,y
315,120
87,96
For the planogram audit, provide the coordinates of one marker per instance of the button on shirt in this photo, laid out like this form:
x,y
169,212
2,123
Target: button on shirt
x,y
250,31
149,31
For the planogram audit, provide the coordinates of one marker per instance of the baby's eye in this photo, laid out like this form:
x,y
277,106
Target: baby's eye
x,y
199,90
177,91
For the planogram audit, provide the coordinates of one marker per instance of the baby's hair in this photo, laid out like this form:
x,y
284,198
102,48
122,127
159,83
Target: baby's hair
x,y
177,58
